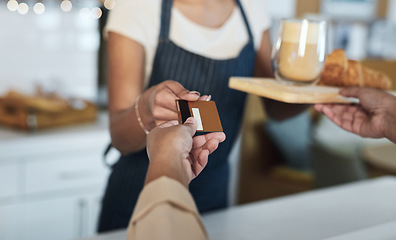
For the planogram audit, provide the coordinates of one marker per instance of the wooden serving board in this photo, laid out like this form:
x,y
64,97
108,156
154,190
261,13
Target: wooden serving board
x,y
37,115
271,88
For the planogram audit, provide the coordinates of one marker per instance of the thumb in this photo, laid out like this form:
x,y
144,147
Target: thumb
x,y
351,92
191,125
181,92
190,96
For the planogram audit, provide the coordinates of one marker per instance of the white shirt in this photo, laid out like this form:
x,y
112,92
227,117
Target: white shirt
x,y
140,21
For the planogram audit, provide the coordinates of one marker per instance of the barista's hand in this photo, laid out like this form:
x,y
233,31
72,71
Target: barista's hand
x,y
373,117
157,105
173,152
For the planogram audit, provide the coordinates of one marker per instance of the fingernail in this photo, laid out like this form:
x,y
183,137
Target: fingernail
x,y
209,97
196,93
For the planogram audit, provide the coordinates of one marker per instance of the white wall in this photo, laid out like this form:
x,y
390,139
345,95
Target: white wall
x,y
392,11
57,50
282,8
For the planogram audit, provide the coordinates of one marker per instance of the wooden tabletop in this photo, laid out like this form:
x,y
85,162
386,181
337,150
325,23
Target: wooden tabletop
x,y
277,90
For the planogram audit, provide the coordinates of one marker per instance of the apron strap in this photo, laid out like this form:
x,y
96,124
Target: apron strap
x,y
245,20
166,11
105,153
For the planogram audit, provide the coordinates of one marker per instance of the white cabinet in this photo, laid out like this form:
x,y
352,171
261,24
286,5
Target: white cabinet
x,y
95,205
8,180
60,219
53,219
65,171
10,215
52,183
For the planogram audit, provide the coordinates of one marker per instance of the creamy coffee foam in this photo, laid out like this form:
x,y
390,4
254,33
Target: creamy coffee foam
x,y
304,31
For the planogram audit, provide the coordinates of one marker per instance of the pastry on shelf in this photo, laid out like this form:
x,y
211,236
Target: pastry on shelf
x,y
41,111
341,72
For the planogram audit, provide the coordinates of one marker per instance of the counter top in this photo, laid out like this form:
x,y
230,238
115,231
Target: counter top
x,y
361,210
14,143
101,123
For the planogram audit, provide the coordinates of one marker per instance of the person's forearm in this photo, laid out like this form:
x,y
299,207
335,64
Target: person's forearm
x,y
126,134
390,120
280,111
172,169
165,210
263,64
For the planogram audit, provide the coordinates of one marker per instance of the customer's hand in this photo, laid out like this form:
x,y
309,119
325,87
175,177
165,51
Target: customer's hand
x,y
174,152
374,116
157,104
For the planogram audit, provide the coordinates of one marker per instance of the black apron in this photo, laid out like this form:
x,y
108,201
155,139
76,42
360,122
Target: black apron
x,y
194,72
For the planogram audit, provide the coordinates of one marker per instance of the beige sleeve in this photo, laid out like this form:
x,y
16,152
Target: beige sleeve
x,y
166,210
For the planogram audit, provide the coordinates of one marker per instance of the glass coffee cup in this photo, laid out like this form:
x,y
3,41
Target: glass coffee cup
x,y
299,51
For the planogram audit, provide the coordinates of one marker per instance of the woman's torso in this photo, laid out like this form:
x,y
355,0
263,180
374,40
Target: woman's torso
x,y
195,72
140,20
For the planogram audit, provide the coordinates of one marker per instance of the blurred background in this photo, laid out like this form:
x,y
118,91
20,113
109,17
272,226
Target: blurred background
x,y
53,119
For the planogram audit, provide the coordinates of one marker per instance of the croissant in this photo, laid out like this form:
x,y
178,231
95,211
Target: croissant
x,y
341,72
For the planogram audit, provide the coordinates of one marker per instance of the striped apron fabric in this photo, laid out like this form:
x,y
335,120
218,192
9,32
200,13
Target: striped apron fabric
x,y
194,72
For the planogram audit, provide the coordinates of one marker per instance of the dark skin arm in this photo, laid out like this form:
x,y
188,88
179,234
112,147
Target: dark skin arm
x,y
175,153
263,68
373,117
156,105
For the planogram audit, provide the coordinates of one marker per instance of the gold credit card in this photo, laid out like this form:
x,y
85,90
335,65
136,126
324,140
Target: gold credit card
x,y
205,112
